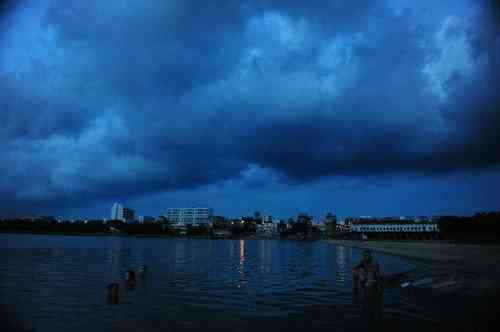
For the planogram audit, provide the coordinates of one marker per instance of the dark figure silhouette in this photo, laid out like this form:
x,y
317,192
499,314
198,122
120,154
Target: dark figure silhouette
x,y
367,285
130,280
113,293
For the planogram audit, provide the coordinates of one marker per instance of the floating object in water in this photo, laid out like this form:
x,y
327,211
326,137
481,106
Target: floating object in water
x,y
113,293
405,284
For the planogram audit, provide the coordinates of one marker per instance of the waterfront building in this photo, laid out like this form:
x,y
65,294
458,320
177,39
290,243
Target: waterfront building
x,y
393,228
181,218
119,212
267,229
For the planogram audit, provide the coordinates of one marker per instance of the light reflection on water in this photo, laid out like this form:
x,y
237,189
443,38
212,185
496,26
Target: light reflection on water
x,y
241,268
341,264
57,283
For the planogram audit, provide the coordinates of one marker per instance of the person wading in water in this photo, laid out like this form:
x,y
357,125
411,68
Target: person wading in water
x,y
366,277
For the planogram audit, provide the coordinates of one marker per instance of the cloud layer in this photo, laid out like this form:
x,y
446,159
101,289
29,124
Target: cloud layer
x,y
127,98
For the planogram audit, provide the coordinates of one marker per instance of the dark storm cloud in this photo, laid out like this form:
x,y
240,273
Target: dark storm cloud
x,y
29,114
6,6
125,98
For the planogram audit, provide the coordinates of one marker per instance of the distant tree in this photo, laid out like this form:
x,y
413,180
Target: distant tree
x,y
219,222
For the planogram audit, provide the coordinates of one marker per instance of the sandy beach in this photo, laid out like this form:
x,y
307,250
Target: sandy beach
x,y
472,269
465,274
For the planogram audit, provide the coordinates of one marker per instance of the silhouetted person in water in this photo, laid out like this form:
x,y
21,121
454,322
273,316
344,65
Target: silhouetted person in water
x,y
366,273
113,295
130,279
366,277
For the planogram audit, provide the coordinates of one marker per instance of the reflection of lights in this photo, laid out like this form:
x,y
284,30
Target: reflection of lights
x,y
242,264
242,254
341,264
115,252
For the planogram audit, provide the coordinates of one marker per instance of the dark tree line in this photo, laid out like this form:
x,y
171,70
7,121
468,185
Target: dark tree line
x,y
301,227
81,227
479,227
52,226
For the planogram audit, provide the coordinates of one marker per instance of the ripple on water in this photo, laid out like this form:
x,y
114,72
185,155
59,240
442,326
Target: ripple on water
x,y
192,284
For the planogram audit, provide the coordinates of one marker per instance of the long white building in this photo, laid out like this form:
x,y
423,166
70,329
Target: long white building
x,y
188,217
391,227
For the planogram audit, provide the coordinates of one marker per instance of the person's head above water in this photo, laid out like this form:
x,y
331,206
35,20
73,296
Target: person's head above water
x,y
113,291
113,288
130,275
367,255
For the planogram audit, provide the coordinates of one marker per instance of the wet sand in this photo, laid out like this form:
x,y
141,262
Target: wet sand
x,y
463,275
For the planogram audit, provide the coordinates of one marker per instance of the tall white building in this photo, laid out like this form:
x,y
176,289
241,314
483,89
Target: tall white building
x,y
119,212
185,217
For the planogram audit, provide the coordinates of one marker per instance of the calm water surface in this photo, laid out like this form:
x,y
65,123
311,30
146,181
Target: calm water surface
x,y
57,283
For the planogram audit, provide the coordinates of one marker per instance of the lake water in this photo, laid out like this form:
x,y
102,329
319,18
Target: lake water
x,y
57,283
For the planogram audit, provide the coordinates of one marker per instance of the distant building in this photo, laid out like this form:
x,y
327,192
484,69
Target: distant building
x,y
116,211
268,219
182,218
128,214
394,228
267,227
330,224
119,212
304,218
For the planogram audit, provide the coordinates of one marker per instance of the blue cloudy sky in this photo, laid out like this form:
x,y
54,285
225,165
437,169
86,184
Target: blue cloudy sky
x,y
357,107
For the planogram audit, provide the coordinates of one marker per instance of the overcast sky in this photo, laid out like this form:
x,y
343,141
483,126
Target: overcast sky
x,y
355,107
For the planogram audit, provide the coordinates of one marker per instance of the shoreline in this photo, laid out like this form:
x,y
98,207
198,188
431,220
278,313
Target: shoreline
x,y
472,269
462,276
448,267
161,236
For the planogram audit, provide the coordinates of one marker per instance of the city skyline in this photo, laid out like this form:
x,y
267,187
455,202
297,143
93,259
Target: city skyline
x,y
118,211
357,108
